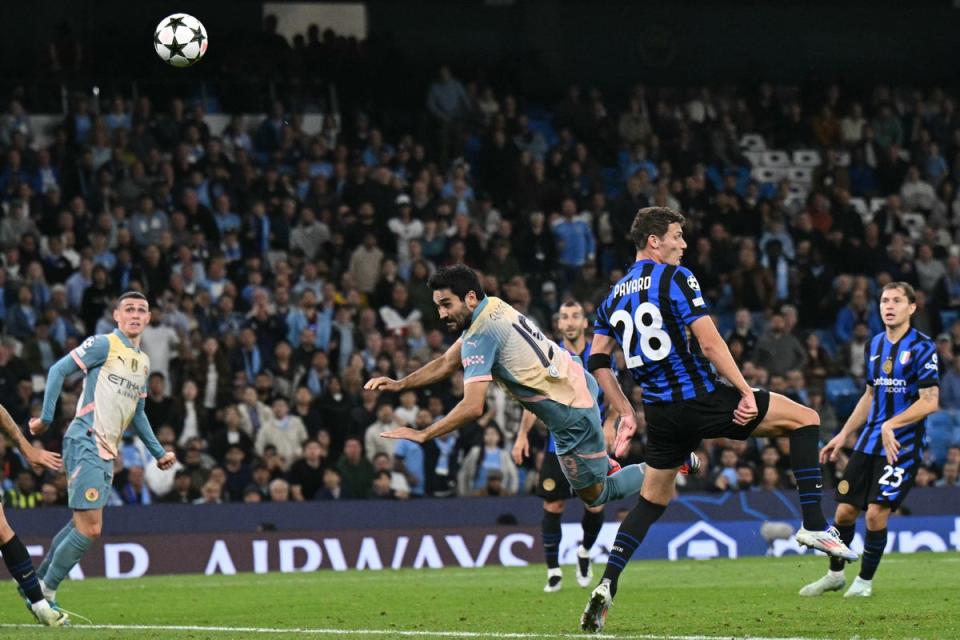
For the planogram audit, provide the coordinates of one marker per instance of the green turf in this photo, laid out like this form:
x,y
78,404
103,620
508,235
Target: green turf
x,y
915,596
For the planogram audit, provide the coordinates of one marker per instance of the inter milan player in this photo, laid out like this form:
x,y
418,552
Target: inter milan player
x,y
648,313
902,390
498,343
15,554
553,486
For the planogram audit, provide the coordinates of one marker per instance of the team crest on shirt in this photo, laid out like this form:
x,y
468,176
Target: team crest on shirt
x,y
692,282
549,484
91,494
904,357
134,365
843,487
887,366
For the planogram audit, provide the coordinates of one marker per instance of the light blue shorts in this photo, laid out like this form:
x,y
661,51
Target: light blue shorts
x,y
89,477
586,462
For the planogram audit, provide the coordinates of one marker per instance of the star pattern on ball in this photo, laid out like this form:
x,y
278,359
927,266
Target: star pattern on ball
x,y
197,35
176,21
176,48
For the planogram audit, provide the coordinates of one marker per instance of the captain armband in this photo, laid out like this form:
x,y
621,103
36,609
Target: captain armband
x,y
598,361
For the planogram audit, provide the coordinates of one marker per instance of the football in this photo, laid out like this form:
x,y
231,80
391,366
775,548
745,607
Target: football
x,y
180,40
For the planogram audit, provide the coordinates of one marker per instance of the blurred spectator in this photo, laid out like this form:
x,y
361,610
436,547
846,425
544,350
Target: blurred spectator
x,y
306,474
480,461
355,469
951,475
778,351
183,490
285,432
25,493
333,488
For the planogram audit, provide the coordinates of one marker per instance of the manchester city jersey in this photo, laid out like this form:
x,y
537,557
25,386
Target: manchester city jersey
x,y
503,345
648,312
897,371
115,380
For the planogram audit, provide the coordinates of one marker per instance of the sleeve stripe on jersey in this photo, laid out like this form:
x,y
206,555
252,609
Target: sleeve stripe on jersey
x,y
88,408
78,360
483,378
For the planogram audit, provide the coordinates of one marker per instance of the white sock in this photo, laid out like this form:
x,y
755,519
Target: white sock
x,y
583,552
40,606
861,580
555,572
835,574
47,593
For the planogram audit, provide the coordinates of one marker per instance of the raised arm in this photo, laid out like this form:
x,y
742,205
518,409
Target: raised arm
x,y
434,371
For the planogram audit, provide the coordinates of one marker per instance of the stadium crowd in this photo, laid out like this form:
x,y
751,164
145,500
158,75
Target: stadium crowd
x,y
284,269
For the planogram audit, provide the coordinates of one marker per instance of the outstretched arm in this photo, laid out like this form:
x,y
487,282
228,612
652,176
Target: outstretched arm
x,y
426,375
467,410
31,453
856,420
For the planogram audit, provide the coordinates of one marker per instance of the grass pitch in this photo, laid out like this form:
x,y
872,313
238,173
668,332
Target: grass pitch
x,y
915,596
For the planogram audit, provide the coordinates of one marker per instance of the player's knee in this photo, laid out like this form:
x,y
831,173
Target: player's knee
x,y
553,506
91,530
6,533
846,515
590,494
877,517
807,417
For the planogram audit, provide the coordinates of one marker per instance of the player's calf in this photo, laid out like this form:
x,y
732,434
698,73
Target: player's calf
x,y
621,484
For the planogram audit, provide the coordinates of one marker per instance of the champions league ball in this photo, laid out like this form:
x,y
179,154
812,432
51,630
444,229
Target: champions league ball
x,y
180,40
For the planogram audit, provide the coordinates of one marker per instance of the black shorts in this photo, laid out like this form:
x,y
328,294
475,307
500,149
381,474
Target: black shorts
x,y
674,429
553,484
871,480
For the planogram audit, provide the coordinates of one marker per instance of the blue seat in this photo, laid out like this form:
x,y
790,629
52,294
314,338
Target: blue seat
x,y
827,341
843,394
947,318
940,434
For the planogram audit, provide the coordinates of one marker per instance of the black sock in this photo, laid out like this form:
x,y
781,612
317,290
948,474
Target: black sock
x,y
846,534
873,548
21,568
550,533
804,445
591,523
631,533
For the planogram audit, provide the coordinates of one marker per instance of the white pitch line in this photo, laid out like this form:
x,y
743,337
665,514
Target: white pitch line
x,y
388,632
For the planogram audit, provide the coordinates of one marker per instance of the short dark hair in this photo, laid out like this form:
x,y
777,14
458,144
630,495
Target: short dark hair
x,y
903,286
459,278
571,302
132,295
652,221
